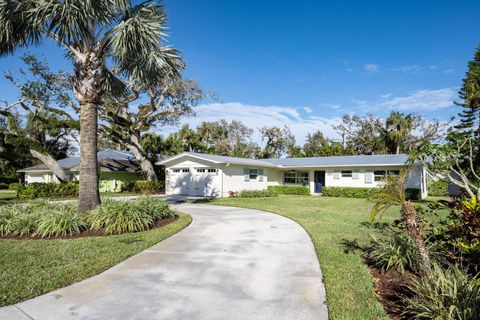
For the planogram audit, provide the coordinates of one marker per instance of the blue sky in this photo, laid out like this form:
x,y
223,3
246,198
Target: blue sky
x,y
305,63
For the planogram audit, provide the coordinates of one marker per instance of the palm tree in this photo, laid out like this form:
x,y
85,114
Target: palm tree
x,y
393,194
398,126
93,33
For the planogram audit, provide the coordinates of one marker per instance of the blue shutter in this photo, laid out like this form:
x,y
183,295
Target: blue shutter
x,y
246,174
260,175
336,174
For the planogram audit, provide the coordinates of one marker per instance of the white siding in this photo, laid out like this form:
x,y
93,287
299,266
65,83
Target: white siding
x,y
233,179
34,177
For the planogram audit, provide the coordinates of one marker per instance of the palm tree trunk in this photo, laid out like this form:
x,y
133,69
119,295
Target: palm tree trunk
x,y
89,196
410,218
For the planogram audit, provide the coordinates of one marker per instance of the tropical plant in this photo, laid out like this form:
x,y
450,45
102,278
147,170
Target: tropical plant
x,y
393,194
93,33
154,206
61,220
448,294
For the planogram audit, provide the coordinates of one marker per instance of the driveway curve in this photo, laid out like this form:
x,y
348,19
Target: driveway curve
x,y
230,263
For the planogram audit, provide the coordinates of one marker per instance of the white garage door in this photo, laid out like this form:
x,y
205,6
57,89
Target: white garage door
x,y
205,182
180,181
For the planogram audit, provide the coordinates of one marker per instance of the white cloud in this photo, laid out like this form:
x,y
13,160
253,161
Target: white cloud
x,y
370,67
255,117
307,109
420,100
410,69
449,71
330,106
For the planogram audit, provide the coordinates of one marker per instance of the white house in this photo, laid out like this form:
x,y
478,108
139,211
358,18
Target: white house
x,y
199,174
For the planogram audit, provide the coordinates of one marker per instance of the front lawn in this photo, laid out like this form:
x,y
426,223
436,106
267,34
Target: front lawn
x,y
29,268
334,224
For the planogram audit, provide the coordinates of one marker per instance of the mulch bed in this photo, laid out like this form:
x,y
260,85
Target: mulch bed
x,y
89,233
389,287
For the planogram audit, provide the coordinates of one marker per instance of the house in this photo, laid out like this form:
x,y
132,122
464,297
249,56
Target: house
x,y
116,168
198,174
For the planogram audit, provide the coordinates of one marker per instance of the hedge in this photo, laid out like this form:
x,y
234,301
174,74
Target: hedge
x,y
348,192
290,189
266,193
144,186
45,190
438,188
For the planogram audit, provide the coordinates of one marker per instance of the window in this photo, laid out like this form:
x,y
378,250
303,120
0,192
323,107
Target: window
x,y
346,173
296,177
393,172
186,170
253,174
200,170
212,170
175,170
379,175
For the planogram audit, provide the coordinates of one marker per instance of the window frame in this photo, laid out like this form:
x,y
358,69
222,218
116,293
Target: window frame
x,y
296,177
346,173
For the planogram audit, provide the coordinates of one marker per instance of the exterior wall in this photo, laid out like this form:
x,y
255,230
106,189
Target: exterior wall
x,y
219,184
113,181
40,177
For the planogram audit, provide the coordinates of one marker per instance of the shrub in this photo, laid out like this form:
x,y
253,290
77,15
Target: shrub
x,y
144,186
299,190
14,186
438,188
17,220
3,186
448,294
45,190
135,216
397,252
266,193
413,194
60,220
348,192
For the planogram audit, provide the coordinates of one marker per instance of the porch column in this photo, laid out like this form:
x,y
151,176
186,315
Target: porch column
x,y
311,181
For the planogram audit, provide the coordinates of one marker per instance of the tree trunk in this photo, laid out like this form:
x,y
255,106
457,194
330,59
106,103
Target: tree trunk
x,y
89,196
413,227
52,164
145,163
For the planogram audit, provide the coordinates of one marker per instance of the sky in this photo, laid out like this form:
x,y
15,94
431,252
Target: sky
x,y
304,64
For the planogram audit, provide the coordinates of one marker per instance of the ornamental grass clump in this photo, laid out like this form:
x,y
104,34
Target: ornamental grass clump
x,y
448,294
60,220
15,220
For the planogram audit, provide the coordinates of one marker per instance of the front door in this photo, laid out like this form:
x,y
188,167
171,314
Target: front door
x,y
319,181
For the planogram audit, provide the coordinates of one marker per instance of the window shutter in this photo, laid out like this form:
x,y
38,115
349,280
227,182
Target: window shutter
x,y
355,174
246,174
368,177
260,175
336,174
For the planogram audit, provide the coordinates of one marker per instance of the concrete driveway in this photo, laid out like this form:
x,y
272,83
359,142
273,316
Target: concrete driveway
x,y
230,263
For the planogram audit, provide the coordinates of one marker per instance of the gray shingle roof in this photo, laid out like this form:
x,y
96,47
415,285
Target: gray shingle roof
x,y
124,160
339,161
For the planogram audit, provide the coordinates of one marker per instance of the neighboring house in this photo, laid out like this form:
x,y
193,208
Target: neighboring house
x,y
198,174
116,168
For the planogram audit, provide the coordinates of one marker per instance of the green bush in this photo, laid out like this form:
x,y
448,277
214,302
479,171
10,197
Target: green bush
x,y
144,186
448,294
3,186
120,217
397,252
266,193
438,188
299,190
348,192
14,186
45,190
413,194
60,220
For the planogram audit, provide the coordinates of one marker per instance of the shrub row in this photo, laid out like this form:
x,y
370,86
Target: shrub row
x,y
113,217
438,188
45,190
144,186
348,192
299,190
266,193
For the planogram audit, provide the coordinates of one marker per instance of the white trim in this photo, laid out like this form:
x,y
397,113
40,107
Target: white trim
x,y
185,155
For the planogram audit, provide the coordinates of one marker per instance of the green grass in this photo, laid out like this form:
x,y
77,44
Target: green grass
x,y
32,267
332,224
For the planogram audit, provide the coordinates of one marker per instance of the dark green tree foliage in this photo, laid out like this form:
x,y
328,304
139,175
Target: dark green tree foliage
x,y
317,145
469,116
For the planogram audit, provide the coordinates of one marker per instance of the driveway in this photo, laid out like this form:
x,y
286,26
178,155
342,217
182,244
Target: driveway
x,y
230,263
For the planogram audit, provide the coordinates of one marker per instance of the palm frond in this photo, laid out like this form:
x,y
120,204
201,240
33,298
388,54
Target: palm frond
x,y
391,194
